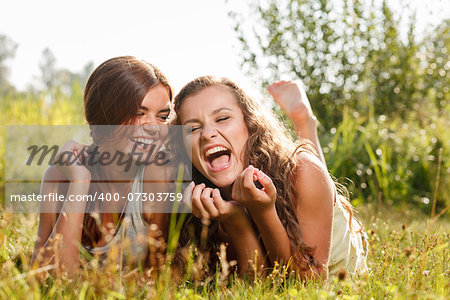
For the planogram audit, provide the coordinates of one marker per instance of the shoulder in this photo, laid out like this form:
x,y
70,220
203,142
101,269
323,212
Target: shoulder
x,y
314,187
52,173
53,181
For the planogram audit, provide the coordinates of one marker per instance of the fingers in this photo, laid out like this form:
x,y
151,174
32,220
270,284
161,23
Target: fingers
x,y
187,195
208,203
248,179
80,153
267,184
218,201
245,184
203,205
253,188
74,148
197,206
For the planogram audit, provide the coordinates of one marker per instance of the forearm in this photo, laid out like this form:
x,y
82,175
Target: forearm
x,y
277,243
62,246
245,244
273,234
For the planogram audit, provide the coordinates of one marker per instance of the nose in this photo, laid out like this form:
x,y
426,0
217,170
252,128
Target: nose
x,y
209,132
151,129
150,126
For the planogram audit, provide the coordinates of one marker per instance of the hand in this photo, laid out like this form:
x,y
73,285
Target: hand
x,y
207,203
293,100
69,161
246,193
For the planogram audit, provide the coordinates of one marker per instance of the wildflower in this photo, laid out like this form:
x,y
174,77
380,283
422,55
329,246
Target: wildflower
x,y
342,273
408,251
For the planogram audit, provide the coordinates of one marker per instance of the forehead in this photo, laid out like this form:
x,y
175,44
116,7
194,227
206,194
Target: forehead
x,y
156,96
208,100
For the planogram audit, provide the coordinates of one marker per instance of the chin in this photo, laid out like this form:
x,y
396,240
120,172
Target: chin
x,y
223,181
223,184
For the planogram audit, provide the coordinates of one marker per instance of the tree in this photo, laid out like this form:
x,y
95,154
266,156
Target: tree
x,y
47,65
347,53
7,51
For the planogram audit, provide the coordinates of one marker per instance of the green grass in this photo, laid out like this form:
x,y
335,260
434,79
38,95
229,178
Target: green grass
x,y
408,259
392,166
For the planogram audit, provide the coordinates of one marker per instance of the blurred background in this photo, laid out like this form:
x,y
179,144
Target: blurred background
x,y
376,73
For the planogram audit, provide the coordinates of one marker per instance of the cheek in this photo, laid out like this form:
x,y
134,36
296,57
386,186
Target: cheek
x,y
242,140
163,131
188,146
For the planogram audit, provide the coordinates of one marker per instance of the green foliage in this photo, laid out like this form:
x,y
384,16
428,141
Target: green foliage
x,y
379,92
20,108
347,53
393,161
7,51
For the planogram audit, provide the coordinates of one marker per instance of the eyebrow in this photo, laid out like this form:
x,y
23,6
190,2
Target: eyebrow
x,y
214,112
161,111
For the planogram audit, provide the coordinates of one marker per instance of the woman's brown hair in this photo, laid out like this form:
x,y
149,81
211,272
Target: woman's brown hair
x,y
116,88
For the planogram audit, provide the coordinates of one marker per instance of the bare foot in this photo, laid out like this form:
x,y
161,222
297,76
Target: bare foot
x,y
293,100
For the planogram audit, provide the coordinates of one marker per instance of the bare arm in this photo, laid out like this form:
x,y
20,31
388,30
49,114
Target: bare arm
x,y
61,242
245,244
52,182
314,209
59,234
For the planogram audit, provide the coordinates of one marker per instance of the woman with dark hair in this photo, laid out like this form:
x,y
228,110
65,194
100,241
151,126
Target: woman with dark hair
x,y
266,192
134,98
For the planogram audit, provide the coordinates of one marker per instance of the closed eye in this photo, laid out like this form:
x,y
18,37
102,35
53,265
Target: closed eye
x,y
189,129
164,117
222,119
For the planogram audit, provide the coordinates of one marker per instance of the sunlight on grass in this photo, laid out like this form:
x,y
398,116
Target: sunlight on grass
x,y
408,258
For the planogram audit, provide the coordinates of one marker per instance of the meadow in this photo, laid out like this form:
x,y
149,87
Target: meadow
x,y
381,94
409,236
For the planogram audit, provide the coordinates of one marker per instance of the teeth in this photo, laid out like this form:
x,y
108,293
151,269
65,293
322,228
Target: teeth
x,y
215,150
142,141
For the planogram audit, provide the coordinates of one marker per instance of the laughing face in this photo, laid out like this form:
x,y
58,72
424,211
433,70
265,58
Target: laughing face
x,y
217,136
150,127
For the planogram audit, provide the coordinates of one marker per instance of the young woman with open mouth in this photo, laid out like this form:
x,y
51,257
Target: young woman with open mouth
x,y
121,91
266,192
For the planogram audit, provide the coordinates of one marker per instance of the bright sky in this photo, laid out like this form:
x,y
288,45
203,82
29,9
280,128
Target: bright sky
x,y
184,38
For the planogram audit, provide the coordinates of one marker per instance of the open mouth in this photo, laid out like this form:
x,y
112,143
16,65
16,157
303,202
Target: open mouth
x,y
218,158
141,142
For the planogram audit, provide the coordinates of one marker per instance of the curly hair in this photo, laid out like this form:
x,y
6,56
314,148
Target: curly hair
x,y
269,148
